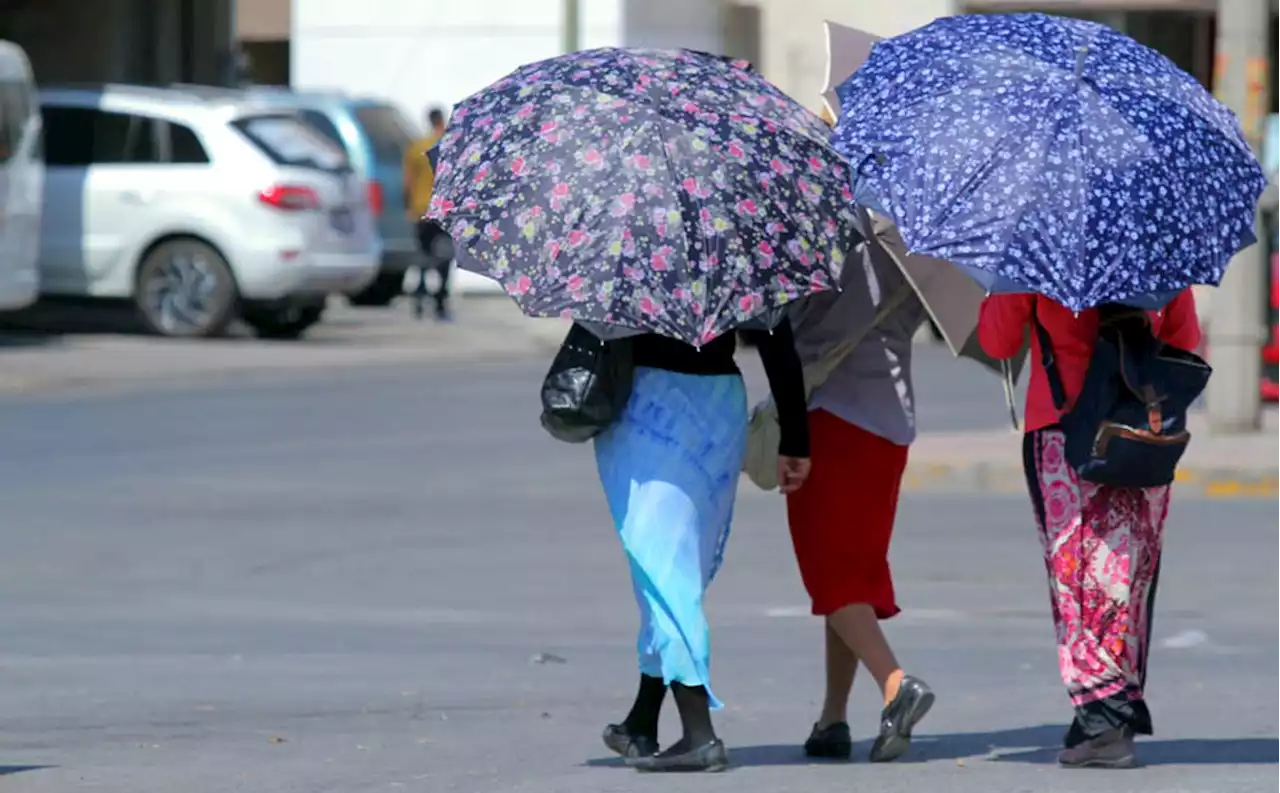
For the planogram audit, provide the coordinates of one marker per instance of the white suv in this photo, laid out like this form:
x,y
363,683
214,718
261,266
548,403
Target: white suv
x,y
199,210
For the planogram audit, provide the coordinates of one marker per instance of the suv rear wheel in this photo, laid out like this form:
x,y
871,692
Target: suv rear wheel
x,y
283,322
185,289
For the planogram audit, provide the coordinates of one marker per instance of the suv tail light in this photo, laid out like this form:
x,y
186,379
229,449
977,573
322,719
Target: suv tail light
x,y
290,198
377,201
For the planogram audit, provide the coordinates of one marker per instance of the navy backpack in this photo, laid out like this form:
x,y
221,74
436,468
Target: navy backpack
x,y
1128,428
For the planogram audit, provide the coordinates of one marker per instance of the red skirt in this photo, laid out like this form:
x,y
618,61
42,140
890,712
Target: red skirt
x,y
841,520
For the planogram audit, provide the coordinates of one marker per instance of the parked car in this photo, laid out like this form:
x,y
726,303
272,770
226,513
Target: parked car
x,y
199,210
21,180
374,134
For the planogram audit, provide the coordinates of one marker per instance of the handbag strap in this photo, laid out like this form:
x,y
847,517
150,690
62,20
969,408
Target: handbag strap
x,y
1049,362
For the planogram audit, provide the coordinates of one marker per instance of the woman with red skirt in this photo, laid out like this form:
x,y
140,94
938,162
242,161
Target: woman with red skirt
x,y
861,423
1101,544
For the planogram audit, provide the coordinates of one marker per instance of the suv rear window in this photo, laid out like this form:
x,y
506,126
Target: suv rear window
x,y
287,140
389,132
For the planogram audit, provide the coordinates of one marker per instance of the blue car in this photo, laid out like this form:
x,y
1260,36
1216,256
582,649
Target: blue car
x,y
374,134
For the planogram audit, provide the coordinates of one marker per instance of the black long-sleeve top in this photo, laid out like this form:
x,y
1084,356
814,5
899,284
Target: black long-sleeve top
x,y
781,365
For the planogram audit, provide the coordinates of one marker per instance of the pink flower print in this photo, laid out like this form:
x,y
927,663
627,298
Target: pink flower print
x,y
519,167
690,185
594,158
470,204
525,111
481,174
774,228
640,162
566,313
680,293
748,208
689,107
815,165
765,249
659,260
623,206
553,249
521,286
735,150
549,131
559,194
632,274
653,190
1059,505
575,283
1051,454
577,237
648,307
749,304
441,206
780,167
493,232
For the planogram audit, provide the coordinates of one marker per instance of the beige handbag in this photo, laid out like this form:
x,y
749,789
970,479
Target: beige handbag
x,y
760,463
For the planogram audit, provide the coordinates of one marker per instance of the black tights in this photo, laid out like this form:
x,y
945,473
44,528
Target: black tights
x,y
692,702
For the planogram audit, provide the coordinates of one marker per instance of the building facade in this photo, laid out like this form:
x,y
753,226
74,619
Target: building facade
x,y
139,41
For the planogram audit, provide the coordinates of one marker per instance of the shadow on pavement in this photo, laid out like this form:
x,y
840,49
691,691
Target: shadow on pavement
x,y
61,317
1036,745
7,770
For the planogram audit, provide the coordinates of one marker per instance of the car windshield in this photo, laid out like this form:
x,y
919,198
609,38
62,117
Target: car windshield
x,y
388,130
287,140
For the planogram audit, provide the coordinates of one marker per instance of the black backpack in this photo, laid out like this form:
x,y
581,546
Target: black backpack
x,y
1128,428
587,388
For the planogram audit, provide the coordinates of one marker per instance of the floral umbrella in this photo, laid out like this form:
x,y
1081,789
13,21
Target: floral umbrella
x,y
664,191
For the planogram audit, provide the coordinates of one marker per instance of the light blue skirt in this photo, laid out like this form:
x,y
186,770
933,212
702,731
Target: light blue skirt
x,y
670,473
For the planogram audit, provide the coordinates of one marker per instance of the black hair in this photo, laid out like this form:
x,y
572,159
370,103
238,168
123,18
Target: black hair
x,y
436,116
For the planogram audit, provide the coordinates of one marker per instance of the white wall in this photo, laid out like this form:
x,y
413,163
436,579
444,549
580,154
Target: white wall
x,y
424,52
794,48
662,24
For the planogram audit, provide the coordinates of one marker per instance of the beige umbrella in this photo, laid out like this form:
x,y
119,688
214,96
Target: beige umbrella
x,y
847,49
950,296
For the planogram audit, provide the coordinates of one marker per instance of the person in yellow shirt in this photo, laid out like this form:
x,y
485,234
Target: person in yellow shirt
x,y
419,180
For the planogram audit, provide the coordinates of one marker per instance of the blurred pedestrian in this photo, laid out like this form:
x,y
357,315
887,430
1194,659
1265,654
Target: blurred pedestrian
x,y
669,469
1101,543
861,423
419,183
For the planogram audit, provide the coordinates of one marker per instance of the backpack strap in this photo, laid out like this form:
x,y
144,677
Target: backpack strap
x,y
1049,363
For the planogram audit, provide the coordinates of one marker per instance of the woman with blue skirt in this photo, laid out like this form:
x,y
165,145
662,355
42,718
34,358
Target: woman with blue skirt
x,y
670,468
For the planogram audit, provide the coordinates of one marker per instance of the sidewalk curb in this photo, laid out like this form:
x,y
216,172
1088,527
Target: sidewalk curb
x,y
986,477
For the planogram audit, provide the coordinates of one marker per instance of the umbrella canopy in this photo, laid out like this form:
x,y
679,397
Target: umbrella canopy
x,y
1051,155
664,191
951,297
847,49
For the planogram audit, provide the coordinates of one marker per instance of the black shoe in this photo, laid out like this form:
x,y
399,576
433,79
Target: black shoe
x,y
710,756
833,742
899,717
627,745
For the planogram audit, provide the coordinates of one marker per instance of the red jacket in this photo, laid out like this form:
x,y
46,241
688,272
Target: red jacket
x,y
1005,319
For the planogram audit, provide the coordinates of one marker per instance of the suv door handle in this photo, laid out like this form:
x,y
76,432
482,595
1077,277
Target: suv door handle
x,y
135,197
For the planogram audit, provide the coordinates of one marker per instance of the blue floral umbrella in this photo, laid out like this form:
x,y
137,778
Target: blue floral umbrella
x,y
645,191
1050,155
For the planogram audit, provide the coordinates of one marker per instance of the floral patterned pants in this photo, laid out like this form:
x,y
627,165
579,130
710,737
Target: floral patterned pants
x,y
1102,553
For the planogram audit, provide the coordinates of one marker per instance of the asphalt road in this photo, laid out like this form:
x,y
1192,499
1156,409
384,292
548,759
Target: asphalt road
x,y
393,581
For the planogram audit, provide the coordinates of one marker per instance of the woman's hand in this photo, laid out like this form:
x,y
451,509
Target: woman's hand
x,y
792,471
